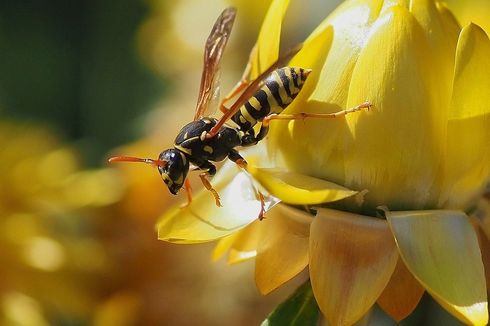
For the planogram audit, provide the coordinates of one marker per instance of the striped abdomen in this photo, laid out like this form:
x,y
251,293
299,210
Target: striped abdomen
x,y
278,90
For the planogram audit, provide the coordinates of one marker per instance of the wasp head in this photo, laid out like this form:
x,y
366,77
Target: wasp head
x,y
175,170
171,163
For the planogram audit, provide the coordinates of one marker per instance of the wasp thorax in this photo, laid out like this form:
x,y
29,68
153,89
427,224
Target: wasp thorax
x,y
174,172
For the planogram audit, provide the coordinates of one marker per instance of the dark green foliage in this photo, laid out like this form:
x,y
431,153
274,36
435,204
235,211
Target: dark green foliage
x,y
300,309
74,65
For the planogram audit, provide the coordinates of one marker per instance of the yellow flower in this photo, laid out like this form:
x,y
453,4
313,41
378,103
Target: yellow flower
x,y
408,152
422,154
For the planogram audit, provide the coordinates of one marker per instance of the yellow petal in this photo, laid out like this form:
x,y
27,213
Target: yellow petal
x,y
267,46
471,77
466,175
313,52
203,221
352,258
299,189
363,12
239,246
441,31
223,246
289,136
402,294
441,250
244,246
350,24
325,92
395,150
283,247
311,56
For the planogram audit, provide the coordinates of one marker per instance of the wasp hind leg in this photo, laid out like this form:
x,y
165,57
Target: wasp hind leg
x,y
210,171
304,115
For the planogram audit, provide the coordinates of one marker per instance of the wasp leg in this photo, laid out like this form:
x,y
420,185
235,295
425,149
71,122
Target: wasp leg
x,y
209,187
249,140
210,171
304,115
238,159
262,206
188,191
239,87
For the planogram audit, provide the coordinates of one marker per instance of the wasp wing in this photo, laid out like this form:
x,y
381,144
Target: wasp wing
x,y
213,52
252,88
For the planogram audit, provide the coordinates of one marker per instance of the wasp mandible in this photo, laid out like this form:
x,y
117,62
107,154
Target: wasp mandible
x,y
206,139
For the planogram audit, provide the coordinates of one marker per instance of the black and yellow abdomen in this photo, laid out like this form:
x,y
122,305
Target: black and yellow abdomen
x,y
277,91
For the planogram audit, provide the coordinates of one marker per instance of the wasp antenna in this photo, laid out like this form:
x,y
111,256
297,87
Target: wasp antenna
x,y
125,159
117,159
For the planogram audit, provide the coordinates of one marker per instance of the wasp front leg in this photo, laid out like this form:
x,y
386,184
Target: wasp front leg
x,y
210,170
234,156
188,191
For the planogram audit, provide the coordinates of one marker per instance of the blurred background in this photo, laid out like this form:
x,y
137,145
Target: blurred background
x,y
81,80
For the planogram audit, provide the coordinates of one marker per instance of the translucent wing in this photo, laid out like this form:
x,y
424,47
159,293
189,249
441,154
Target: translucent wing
x,y
252,88
213,52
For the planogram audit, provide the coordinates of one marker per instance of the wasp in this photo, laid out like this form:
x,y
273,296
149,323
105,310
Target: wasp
x,y
207,139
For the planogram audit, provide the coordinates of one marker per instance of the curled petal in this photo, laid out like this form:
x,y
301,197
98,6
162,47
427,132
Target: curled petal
x,y
471,78
465,174
352,258
299,189
203,221
441,250
283,247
